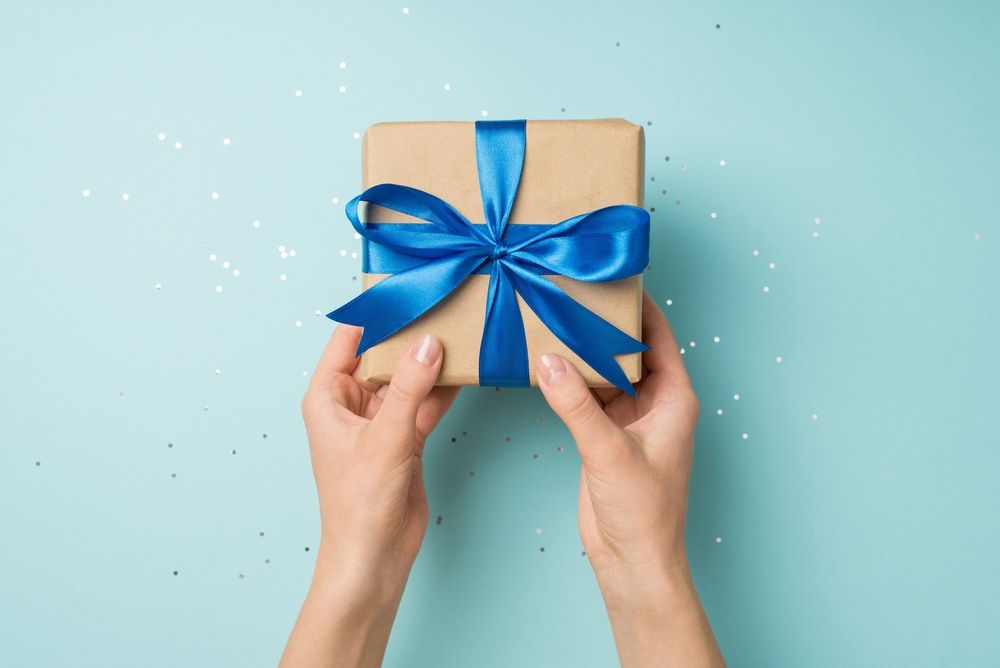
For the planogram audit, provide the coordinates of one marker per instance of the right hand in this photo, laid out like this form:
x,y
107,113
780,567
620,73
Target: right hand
x,y
636,455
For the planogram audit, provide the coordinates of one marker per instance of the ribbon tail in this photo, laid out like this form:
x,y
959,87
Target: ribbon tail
x,y
397,300
503,352
587,334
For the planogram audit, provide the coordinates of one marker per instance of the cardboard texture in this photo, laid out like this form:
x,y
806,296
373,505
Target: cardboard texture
x,y
570,167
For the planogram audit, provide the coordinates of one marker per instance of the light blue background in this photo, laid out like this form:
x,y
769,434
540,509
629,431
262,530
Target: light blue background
x,y
865,537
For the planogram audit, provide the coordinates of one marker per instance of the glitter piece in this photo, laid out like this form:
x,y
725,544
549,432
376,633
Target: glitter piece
x,y
343,89
225,141
718,412
736,397
178,146
218,288
298,93
161,136
447,87
778,359
125,197
215,195
86,192
343,64
716,339
745,436
256,224
766,289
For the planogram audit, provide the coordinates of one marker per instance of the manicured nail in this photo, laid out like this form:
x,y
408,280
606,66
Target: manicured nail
x,y
553,368
429,350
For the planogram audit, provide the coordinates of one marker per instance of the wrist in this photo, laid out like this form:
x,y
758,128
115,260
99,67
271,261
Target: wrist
x,y
655,614
349,610
357,580
651,587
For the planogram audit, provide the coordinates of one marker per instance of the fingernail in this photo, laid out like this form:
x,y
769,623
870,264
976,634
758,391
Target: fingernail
x,y
428,351
553,368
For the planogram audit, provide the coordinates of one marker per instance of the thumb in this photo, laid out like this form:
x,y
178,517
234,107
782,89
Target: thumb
x,y
597,438
411,382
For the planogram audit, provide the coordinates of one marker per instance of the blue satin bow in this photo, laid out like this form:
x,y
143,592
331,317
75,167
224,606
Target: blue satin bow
x,y
427,261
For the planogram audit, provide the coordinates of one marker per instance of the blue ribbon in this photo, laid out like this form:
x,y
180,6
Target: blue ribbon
x,y
427,261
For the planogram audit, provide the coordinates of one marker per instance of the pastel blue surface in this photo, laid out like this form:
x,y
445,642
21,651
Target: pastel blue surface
x,y
855,525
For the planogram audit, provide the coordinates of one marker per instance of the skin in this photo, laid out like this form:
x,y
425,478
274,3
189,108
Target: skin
x,y
366,442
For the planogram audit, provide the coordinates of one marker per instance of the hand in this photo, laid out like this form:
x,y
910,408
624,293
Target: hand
x,y
366,442
636,455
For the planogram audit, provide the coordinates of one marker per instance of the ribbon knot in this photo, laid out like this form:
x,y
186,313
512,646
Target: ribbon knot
x,y
499,251
427,261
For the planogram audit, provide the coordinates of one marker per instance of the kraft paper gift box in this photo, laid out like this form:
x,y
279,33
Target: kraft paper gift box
x,y
570,167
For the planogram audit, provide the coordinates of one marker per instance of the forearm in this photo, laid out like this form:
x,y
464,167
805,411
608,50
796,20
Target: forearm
x,y
657,618
347,615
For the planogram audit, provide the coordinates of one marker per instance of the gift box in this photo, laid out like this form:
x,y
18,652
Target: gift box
x,y
526,201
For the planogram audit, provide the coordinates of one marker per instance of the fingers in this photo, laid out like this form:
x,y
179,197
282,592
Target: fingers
x,y
663,357
433,408
411,383
338,356
597,438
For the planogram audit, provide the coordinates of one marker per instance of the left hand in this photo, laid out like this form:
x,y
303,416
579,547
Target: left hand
x,y
366,442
